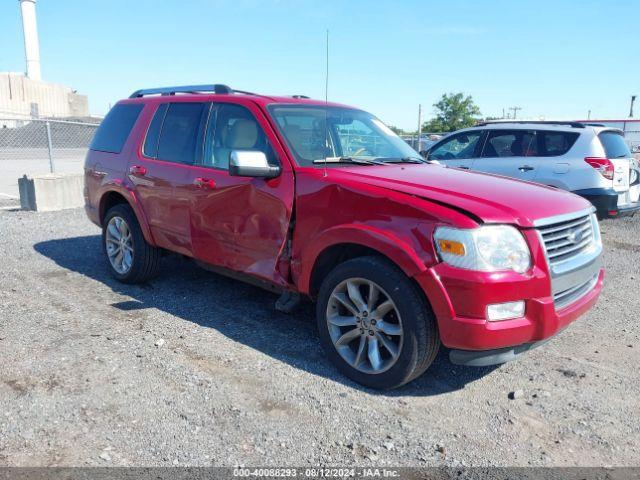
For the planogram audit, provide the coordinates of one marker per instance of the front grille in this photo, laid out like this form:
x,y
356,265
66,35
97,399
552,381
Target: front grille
x,y
566,297
567,239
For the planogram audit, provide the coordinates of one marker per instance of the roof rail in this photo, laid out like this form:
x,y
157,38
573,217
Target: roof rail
x,y
540,122
217,88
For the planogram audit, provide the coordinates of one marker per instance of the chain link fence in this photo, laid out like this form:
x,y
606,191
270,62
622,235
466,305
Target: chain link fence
x,y
41,143
426,140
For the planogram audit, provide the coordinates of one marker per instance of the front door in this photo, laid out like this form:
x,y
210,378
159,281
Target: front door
x,y
457,151
240,223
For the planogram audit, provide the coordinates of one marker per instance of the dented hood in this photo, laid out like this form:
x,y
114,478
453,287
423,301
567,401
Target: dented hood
x,y
492,198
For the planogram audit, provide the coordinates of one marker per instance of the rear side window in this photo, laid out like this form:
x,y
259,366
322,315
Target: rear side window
x,y
181,130
614,145
555,144
150,148
115,128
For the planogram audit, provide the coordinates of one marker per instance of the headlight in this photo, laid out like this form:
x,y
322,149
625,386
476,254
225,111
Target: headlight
x,y
489,248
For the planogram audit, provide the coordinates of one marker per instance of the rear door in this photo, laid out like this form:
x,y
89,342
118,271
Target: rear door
x,y
458,150
161,171
512,153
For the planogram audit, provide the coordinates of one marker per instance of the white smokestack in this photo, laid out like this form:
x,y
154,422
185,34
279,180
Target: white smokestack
x,y
31,44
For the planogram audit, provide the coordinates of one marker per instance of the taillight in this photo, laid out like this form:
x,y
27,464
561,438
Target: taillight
x,y
602,165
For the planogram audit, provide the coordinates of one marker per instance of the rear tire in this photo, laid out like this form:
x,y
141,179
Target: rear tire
x,y
369,301
129,257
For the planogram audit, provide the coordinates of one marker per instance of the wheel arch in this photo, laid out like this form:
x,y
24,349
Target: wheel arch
x,y
344,243
115,196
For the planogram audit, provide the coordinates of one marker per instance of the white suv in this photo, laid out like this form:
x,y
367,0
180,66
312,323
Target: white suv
x,y
587,159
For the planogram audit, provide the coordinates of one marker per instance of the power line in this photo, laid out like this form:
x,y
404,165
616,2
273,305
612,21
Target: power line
x,y
515,111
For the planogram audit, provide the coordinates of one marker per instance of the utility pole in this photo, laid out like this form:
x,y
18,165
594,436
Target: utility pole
x,y
633,100
515,111
589,115
503,113
418,143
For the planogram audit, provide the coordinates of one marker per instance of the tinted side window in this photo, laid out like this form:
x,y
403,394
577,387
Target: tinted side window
x,y
115,128
557,143
150,148
233,127
459,147
179,137
614,145
510,143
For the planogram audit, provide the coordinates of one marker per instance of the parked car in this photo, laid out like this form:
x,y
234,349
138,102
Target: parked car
x,y
590,160
321,200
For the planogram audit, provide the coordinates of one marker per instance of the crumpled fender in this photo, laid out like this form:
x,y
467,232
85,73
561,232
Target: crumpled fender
x,y
389,245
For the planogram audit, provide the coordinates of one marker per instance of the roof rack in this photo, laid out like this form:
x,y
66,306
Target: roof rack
x,y
541,122
217,88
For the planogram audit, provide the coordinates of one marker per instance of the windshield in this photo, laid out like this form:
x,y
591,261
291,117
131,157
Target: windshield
x,y
316,133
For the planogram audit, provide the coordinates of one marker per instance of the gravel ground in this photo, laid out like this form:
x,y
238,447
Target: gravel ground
x,y
197,369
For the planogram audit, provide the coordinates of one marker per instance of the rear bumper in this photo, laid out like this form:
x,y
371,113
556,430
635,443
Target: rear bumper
x,y
606,202
465,328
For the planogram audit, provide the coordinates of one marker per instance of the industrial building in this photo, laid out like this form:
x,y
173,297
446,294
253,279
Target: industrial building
x,y
26,95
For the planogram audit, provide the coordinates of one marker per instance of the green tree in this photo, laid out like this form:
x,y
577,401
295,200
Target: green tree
x,y
453,112
396,130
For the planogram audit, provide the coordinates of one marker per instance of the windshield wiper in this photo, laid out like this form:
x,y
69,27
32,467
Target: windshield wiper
x,y
403,160
359,161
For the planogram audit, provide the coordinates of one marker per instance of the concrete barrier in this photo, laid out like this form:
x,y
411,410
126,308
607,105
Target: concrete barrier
x,y
50,192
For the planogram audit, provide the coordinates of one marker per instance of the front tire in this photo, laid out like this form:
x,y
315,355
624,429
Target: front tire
x,y
129,257
375,324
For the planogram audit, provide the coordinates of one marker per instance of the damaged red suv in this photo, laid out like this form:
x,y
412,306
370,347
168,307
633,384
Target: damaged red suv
x,y
323,201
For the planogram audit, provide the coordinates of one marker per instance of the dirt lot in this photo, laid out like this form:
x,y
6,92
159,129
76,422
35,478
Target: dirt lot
x,y
197,369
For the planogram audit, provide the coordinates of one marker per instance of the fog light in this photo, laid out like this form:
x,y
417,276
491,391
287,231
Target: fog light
x,y
505,311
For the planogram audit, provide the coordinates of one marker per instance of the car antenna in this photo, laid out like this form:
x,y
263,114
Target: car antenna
x,y
326,105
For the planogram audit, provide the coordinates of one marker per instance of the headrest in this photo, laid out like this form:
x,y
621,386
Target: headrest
x,y
243,134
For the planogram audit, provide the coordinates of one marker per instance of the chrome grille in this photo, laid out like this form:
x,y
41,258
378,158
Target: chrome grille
x,y
567,239
566,297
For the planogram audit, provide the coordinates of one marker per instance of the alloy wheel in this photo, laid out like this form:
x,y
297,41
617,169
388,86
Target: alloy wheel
x,y
364,325
119,245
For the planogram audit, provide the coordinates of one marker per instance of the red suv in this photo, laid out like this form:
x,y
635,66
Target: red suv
x,y
321,200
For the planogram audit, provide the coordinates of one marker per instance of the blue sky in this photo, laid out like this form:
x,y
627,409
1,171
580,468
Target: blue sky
x,y
557,59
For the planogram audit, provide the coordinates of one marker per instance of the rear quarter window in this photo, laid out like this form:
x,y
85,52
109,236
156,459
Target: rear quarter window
x,y
150,148
614,145
555,144
115,128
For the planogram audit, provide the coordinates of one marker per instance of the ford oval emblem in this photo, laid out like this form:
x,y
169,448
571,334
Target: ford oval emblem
x,y
575,236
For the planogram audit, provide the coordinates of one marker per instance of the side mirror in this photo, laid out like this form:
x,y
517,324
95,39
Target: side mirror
x,y
251,163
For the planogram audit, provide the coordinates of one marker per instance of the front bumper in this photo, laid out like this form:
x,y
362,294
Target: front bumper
x,y
464,327
484,358
606,202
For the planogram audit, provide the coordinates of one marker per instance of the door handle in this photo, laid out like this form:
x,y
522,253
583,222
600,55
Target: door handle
x,y
525,168
462,167
138,170
201,182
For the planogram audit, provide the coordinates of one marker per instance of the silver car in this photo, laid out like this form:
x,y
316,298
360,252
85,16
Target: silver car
x,y
590,160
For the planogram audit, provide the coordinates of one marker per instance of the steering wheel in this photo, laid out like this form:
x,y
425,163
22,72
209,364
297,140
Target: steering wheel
x,y
360,151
